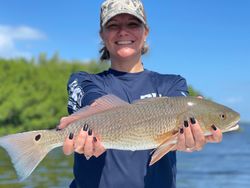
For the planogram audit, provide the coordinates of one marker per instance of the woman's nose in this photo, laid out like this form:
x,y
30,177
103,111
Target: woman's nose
x,y
122,30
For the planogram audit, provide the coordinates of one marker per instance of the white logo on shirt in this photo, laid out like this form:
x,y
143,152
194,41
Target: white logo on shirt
x,y
75,95
150,95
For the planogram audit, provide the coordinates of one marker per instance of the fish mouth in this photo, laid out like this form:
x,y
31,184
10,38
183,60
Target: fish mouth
x,y
233,126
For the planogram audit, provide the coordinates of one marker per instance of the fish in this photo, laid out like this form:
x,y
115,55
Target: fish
x,y
145,124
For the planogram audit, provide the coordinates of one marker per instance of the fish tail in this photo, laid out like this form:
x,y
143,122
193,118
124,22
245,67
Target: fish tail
x,y
26,151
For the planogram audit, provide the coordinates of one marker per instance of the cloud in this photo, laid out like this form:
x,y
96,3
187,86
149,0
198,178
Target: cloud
x,y
9,36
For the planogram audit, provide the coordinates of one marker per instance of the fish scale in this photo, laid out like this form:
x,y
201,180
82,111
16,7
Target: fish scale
x,y
145,124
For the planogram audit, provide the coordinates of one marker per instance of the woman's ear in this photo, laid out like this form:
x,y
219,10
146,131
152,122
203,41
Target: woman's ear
x,y
101,35
146,31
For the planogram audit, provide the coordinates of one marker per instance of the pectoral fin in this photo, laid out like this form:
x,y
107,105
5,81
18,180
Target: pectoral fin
x,y
167,146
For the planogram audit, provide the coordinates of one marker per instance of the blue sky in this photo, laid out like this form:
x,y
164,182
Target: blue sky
x,y
206,41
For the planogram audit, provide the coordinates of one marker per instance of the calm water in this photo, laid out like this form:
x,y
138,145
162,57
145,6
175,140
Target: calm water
x,y
224,165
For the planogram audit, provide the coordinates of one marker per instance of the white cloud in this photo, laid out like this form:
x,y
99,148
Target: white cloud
x,y
9,36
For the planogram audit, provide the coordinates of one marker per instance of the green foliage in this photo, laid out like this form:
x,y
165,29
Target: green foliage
x,y
193,92
33,94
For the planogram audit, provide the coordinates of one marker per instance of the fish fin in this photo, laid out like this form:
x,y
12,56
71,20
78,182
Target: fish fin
x,y
24,152
160,152
165,147
146,100
101,104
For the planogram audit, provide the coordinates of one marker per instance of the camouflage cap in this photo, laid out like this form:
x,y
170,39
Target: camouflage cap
x,y
111,8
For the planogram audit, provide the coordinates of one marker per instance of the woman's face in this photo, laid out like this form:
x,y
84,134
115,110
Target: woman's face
x,y
124,36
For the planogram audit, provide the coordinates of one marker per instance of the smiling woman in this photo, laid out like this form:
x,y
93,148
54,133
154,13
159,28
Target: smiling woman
x,y
124,31
135,21
124,37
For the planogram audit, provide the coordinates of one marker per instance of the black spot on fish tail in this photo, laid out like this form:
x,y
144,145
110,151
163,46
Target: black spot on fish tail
x,y
38,137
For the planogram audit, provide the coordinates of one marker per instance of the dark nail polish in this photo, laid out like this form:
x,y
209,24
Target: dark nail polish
x,y
94,139
181,130
186,123
90,132
58,129
214,127
85,127
71,136
192,120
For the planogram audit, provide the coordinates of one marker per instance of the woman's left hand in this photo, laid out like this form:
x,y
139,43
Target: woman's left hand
x,y
191,137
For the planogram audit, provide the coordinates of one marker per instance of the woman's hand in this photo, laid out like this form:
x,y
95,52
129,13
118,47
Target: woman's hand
x,y
191,137
86,142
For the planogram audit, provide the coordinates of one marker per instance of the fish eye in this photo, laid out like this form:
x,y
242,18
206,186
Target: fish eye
x,y
222,116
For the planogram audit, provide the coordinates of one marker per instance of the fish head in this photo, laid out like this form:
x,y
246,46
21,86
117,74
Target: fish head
x,y
212,113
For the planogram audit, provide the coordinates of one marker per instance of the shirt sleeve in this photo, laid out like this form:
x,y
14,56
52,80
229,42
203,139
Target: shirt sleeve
x,y
82,91
179,87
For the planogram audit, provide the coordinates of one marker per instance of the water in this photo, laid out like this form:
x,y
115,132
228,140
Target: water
x,y
224,165
55,171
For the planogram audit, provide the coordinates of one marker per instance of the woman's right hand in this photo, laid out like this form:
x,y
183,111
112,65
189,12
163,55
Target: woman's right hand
x,y
86,142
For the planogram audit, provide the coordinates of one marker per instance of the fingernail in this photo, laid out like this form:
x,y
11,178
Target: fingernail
x,y
85,127
94,139
192,120
71,136
90,132
58,129
186,123
181,130
214,127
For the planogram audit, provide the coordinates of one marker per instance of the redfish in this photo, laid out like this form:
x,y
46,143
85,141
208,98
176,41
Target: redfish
x,y
152,123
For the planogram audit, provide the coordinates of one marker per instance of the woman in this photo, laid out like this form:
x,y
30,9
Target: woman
x,y
124,32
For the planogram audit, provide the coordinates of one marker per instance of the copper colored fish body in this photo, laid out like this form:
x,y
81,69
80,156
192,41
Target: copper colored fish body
x,y
145,124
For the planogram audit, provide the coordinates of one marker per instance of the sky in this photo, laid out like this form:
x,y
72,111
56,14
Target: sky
x,y
205,41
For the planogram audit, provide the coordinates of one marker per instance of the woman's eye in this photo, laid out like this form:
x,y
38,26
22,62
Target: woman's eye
x,y
111,26
130,25
134,25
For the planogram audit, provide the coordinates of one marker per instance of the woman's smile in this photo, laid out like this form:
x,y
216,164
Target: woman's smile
x,y
124,37
124,42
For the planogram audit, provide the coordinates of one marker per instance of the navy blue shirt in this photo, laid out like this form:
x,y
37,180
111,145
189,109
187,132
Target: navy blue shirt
x,y
117,168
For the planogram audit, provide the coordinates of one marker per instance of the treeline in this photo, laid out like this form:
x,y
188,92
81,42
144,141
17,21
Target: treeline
x,y
33,92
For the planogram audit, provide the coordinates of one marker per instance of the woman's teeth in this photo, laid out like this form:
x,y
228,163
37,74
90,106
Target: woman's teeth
x,y
124,42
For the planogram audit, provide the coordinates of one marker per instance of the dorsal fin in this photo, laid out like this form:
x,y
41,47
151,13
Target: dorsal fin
x,y
101,104
146,100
